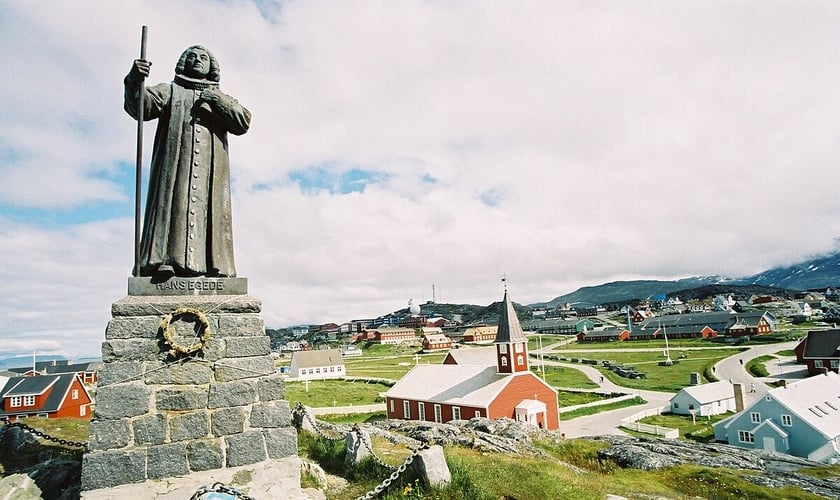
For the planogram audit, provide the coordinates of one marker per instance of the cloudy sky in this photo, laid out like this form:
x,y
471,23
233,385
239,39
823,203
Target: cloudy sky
x,y
397,146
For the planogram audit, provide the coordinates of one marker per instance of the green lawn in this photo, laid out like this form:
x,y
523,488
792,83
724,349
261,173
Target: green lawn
x,y
334,392
391,367
560,376
571,398
662,378
592,410
700,429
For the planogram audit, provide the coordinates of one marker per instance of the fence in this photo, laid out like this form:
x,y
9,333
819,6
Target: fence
x,y
347,410
632,423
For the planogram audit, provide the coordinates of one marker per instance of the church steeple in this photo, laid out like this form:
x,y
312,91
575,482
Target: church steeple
x,y
511,344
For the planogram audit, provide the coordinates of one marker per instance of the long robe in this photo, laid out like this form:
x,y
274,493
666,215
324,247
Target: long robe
x,y
187,222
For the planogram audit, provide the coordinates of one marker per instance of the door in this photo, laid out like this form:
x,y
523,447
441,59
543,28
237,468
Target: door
x,y
769,444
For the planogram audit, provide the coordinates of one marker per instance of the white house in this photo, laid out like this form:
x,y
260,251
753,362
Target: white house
x,y
320,364
801,419
704,399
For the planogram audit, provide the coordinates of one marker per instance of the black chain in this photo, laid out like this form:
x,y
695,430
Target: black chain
x,y
44,435
220,488
361,438
300,410
394,475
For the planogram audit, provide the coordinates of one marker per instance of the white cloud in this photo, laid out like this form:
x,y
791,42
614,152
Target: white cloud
x,y
562,143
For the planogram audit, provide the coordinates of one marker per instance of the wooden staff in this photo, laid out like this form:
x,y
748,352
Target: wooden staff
x,y
138,180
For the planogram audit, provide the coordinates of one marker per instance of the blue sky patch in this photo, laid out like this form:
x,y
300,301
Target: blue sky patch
x,y
492,197
323,178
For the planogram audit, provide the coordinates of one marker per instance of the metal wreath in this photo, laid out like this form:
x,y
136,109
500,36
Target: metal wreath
x,y
169,331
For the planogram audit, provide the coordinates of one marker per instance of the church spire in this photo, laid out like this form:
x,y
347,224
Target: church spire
x,y
511,344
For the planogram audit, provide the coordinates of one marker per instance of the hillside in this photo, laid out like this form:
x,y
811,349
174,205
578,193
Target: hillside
x,y
814,274
818,273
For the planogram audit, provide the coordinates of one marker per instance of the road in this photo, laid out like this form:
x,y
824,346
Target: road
x,y
731,369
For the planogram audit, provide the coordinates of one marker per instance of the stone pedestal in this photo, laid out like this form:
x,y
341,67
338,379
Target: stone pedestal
x,y
159,416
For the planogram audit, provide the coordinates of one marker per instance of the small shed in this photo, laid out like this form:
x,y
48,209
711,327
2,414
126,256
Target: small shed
x,y
704,399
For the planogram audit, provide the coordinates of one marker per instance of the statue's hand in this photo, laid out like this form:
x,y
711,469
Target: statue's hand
x,y
140,69
210,95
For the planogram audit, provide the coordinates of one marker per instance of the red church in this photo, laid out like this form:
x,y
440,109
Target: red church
x,y
507,388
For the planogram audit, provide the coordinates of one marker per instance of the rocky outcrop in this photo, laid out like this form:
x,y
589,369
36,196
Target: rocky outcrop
x,y
773,470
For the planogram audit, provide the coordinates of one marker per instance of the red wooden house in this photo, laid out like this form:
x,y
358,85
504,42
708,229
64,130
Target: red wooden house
x,y
480,334
820,351
507,388
52,396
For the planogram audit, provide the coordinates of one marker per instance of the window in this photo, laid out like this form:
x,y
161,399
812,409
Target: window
x,y
818,363
520,360
83,410
332,369
29,401
392,406
502,348
406,410
438,414
676,405
75,394
691,406
835,363
755,417
518,347
746,437
421,411
14,401
477,413
504,361
456,413
787,421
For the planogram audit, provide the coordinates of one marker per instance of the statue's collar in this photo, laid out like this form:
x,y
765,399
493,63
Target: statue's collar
x,y
194,83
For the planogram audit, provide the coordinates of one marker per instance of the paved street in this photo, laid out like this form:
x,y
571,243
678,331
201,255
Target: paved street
x,y
731,368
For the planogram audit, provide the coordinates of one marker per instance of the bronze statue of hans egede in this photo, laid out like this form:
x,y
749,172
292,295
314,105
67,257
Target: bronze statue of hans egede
x,y
187,229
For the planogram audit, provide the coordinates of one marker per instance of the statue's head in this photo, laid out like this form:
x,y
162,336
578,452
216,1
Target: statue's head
x,y
198,62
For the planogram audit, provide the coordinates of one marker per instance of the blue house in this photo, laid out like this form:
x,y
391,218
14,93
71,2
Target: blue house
x,y
800,419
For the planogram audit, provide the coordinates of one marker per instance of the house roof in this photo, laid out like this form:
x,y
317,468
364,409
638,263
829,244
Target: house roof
x,y
816,400
822,344
479,356
468,385
28,386
509,328
74,368
18,386
322,357
709,393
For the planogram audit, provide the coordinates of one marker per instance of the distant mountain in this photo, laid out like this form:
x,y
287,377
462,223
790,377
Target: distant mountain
x,y
26,361
818,273
627,291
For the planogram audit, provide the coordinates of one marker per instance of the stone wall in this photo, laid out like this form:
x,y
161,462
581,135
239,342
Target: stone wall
x,y
158,416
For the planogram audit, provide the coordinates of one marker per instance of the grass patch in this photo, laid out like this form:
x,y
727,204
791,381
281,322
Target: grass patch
x,y
756,366
334,392
572,398
725,484
354,418
559,376
392,364
664,378
478,475
592,410
702,430
786,352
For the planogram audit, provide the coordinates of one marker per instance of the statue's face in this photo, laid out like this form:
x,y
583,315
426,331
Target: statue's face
x,y
197,63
